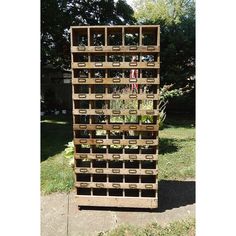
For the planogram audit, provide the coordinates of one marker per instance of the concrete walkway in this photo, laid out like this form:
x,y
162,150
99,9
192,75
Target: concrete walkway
x,y
60,215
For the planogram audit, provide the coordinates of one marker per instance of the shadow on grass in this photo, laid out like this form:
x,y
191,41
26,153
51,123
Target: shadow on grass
x,y
167,145
171,194
55,133
174,193
174,121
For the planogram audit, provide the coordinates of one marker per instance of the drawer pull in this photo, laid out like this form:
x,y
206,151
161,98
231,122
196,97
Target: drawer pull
x,y
100,112
100,185
150,48
150,63
98,95
133,96
149,186
99,80
115,156
133,64
134,47
83,185
82,111
116,126
83,156
150,80
133,127
81,80
149,172
116,141
116,112
116,48
99,141
82,95
150,95
149,127
116,95
99,126
98,64
149,142
132,142
132,171
132,112
98,48
116,80
132,186
83,126
83,170
81,48
99,156
132,80
115,63
149,112
116,185
99,171
115,171
83,141
81,64
132,157
149,157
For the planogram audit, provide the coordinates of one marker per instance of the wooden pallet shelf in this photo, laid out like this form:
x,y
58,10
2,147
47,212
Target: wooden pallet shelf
x,y
115,92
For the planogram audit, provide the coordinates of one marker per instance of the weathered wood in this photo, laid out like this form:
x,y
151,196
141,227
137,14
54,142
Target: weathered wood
x,y
122,127
76,81
115,171
94,141
114,96
115,65
113,112
115,49
106,156
108,201
115,185
135,180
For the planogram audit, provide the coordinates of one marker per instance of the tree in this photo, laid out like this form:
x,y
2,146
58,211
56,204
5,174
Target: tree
x,y
177,23
58,15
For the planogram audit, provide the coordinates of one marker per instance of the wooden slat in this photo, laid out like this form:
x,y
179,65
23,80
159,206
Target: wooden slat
x,y
112,156
143,142
111,65
115,171
115,112
103,96
109,201
125,127
115,81
115,49
80,184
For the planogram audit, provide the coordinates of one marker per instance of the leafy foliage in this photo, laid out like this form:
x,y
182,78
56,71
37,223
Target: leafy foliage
x,y
177,21
57,16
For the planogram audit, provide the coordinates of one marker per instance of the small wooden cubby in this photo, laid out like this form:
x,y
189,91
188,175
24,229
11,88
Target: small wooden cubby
x,y
116,126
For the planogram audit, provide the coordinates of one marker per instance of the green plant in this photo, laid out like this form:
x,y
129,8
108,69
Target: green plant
x,y
69,150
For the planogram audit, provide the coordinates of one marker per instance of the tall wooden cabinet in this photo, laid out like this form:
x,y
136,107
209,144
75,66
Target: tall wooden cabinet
x,y
115,89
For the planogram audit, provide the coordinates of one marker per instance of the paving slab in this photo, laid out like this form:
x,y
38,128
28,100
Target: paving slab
x,y
88,222
61,216
54,208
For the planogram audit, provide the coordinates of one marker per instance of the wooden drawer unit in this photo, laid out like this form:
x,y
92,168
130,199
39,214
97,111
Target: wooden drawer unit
x,y
115,92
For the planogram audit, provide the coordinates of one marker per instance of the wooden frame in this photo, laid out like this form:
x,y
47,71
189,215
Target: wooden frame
x,y
116,142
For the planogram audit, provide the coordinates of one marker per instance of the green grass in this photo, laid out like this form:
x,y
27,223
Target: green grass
x,y
56,173
178,228
176,152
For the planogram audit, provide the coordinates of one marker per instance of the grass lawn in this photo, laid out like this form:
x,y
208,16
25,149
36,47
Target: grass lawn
x,y
176,152
178,228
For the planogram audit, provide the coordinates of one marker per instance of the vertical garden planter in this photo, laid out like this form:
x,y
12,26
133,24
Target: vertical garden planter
x,y
115,89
